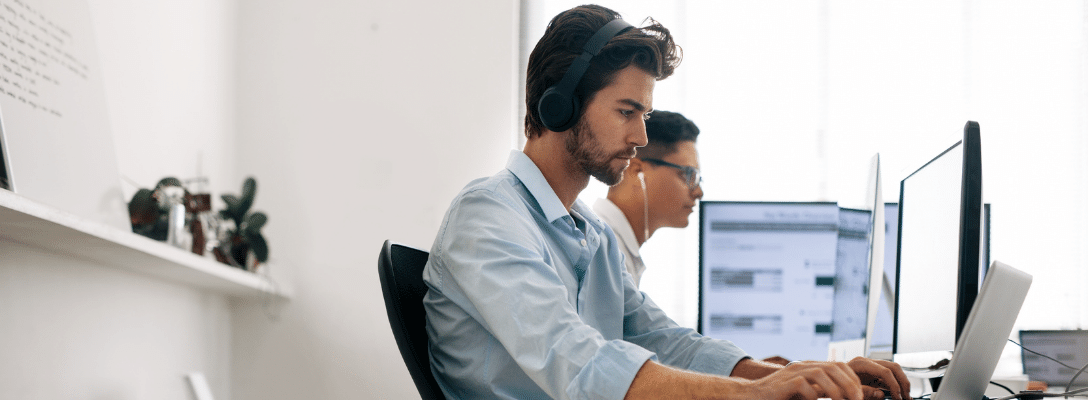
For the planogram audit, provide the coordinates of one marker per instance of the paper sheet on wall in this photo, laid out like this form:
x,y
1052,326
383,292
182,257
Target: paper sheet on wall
x,y
54,125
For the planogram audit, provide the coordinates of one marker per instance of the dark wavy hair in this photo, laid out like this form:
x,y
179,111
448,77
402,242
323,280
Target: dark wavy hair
x,y
664,130
651,48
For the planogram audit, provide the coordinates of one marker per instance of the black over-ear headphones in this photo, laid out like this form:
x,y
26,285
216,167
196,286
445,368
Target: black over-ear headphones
x,y
559,109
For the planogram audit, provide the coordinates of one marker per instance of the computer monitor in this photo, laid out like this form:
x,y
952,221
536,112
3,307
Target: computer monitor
x,y
859,268
880,344
852,272
939,253
767,275
1068,346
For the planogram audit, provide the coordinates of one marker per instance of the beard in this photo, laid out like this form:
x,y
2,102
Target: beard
x,y
590,156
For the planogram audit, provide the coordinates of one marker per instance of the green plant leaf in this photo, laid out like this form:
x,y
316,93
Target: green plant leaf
x,y
168,181
232,208
255,221
258,245
143,209
249,191
232,202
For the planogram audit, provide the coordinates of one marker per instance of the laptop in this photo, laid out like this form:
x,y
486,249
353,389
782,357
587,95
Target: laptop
x,y
1068,346
983,338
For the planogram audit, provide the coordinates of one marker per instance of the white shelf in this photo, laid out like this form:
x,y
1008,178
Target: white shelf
x,y
33,224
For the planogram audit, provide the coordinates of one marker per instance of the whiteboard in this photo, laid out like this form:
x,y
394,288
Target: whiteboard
x,y
54,125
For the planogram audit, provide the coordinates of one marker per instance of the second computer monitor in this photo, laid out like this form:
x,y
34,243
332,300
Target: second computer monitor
x,y
859,268
767,276
940,228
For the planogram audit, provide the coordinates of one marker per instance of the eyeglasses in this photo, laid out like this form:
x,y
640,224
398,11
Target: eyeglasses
x,y
691,174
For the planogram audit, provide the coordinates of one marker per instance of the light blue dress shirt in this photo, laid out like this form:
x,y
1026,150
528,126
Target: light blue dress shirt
x,y
528,301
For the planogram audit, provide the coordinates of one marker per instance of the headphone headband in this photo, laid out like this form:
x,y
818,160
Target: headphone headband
x,y
592,48
558,108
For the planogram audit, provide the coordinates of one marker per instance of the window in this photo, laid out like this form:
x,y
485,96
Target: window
x,y
793,98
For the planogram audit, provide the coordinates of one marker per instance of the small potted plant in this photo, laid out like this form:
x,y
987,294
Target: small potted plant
x,y
241,243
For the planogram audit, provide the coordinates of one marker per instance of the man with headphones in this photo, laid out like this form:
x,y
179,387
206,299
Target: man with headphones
x,y
528,297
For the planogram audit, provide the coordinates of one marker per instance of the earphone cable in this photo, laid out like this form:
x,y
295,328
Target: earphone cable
x,y
645,209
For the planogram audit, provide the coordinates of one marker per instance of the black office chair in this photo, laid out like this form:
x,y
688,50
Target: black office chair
x,y
400,269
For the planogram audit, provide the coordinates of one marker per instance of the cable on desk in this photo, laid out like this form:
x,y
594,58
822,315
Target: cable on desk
x,y
1067,387
1003,387
1042,355
1070,385
1039,395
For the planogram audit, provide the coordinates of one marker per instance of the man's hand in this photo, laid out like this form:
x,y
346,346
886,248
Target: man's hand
x,y
880,374
810,380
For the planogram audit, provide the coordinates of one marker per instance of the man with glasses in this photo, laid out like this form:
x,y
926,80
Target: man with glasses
x,y
659,189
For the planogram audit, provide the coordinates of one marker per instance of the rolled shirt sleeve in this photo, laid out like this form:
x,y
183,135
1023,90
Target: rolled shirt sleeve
x,y
646,325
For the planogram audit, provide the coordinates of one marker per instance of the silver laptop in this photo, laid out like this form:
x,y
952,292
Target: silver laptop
x,y
983,338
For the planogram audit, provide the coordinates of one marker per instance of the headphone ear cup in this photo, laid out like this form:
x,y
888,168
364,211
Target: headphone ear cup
x,y
557,111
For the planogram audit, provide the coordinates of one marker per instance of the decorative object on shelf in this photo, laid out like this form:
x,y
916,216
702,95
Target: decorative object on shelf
x,y
4,183
172,199
198,204
240,242
171,214
149,210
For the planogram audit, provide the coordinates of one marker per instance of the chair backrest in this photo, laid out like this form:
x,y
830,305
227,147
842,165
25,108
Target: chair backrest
x,y
400,269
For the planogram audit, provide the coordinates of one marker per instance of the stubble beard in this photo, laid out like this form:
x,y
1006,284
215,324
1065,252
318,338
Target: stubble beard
x,y
591,157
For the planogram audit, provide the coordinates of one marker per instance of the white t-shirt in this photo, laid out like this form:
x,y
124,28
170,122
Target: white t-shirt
x,y
613,216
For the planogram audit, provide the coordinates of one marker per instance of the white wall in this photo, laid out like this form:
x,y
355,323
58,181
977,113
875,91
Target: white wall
x,y
76,330
361,120
73,329
169,74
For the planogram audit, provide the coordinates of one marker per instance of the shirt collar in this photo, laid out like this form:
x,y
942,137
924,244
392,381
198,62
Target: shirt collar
x,y
614,217
525,170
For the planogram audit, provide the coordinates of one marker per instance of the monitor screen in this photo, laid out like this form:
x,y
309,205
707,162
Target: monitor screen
x,y
939,248
880,342
880,345
851,294
859,266
767,274
1069,347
